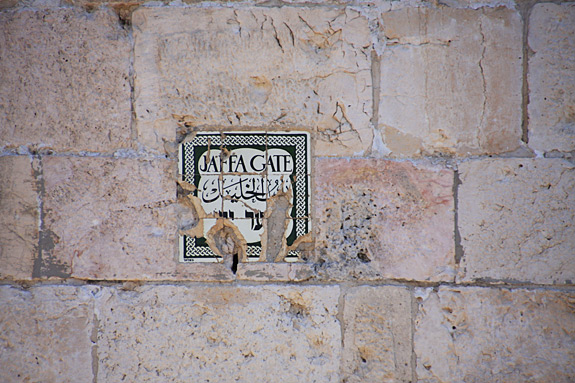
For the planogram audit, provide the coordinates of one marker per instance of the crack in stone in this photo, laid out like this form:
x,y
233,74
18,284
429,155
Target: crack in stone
x,y
94,351
484,84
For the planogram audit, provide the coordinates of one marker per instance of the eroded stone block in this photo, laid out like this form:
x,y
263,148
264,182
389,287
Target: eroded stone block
x,y
481,334
64,81
19,217
224,333
477,4
552,77
284,67
516,219
258,271
110,218
383,219
377,337
45,334
451,81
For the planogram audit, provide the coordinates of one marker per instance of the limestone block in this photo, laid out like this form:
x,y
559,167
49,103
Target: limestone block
x,y
64,81
110,218
377,335
451,81
383,219
516,219
552,77
495,335
18,217
254,67
219,334
45,334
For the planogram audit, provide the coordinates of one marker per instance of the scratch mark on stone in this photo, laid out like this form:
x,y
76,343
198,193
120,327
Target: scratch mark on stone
x,y
276,35
291,34
94,340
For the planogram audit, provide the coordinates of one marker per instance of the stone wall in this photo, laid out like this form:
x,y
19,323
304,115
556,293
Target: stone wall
x,y
443,198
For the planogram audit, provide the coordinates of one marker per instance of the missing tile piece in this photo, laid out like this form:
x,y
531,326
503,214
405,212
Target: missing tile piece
x,y
249,186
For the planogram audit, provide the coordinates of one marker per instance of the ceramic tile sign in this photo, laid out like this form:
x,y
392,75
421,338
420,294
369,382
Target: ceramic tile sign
x,y
235,178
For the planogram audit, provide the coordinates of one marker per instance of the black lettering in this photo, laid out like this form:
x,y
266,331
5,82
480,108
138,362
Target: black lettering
x,y
271,164
263,164
243,165
230,162
213,164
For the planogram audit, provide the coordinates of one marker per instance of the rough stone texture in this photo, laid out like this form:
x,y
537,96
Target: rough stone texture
x,y
280,67
476,4
108,218
263,271
384,219
552,77
4,4
219,334
64,81
451,81
18,217
491,335
45,334
377,335
516,220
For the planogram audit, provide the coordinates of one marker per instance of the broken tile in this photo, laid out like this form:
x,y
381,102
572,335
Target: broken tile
x,y
253,182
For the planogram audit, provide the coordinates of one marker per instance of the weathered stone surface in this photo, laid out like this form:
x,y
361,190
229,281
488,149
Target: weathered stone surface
x,y
451,81
476,4
64,81
109,218
224,333
383,219
263,271
491,335
18,217
377,335
552,77
516,219
280,67
201,272
4,4
45,334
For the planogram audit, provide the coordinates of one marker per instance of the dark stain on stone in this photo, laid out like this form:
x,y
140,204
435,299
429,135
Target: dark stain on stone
x,y
459,253
37,173
362,256
228,245
50,267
